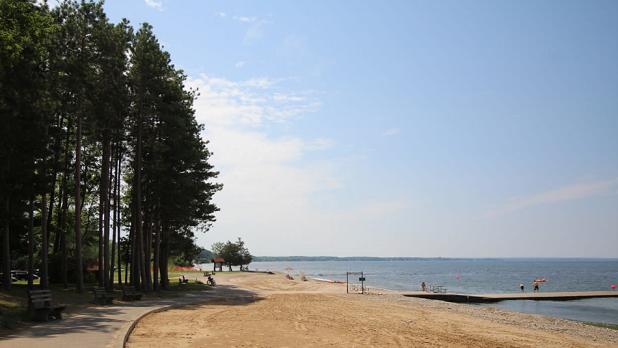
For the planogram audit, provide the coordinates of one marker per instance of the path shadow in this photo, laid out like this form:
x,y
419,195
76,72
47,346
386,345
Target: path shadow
x,y
109,319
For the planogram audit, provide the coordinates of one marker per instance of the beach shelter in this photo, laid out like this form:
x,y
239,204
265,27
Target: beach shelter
x,y
218,262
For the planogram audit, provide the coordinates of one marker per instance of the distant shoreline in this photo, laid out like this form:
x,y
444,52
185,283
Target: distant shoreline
x,y
370,258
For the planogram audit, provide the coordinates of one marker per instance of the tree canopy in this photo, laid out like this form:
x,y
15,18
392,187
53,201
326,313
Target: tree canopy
x,y
101,157
234,254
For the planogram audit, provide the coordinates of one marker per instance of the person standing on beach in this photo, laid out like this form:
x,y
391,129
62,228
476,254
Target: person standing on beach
x,y
521,286
423,286
535,286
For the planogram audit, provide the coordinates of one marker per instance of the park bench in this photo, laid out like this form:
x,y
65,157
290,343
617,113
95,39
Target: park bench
x,y
128,293
40,307
100,296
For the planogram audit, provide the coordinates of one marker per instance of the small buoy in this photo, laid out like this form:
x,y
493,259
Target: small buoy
x,y
457,277
613,286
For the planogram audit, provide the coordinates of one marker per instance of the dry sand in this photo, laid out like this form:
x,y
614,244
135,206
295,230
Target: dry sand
x,y
275,312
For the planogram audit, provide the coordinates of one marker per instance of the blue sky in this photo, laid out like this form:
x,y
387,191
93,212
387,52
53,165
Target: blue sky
x,y
404,128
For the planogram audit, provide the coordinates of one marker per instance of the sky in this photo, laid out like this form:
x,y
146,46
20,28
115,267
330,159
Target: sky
x,y
403,128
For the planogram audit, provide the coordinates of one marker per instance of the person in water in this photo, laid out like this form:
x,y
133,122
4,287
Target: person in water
x,y
535,286
521,286
423,286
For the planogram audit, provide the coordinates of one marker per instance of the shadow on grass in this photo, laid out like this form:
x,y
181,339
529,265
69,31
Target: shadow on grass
x,y
84,317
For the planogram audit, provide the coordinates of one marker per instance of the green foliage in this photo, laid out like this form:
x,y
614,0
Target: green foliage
x,y
205,256
68,66
234,254
603,325
25,29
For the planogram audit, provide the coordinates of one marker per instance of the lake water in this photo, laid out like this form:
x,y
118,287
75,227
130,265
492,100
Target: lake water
x,y
482,277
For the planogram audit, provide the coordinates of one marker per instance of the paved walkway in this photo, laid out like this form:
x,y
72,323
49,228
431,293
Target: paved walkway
x,y
105,326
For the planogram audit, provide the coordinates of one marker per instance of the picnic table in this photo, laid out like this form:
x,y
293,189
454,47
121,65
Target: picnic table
x,y
436,288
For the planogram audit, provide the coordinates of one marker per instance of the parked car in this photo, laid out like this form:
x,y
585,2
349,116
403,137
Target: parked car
x,y
13,279
22,275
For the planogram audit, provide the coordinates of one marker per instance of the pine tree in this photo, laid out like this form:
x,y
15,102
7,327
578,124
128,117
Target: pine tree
x,y
24,30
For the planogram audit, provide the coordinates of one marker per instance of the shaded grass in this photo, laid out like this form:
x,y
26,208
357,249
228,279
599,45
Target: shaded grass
x,y
14,306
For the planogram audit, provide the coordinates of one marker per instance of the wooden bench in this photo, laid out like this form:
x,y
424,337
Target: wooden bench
x,y
39,305
100,296
128,293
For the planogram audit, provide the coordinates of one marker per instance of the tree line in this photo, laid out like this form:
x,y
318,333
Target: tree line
x,y
234,254
102,165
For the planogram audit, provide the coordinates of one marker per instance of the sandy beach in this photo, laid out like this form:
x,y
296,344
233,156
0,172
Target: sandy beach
x,y
262,310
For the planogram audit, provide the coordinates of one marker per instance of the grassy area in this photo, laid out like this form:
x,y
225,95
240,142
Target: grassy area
x,y
606,326
14,307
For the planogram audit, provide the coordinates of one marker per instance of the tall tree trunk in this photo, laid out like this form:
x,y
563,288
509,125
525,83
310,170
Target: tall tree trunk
x,y
79,272
60,245
6,250
117,220
139,239
147,252
52,198
63,231
135,255
113,251
157,251
128,264
58,235
100,277
164,255
44,282
105,177
115,208
30,245
141,258
44,231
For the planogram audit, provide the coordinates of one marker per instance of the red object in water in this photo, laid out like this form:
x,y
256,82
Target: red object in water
x,y
613,286
457,277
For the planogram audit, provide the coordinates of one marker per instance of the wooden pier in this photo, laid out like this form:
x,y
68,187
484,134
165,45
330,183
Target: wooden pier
x,y
536,296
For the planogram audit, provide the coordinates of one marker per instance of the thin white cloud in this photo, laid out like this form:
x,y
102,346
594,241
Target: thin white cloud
x,y
154,4
261,82
245,19
253,34
272,186
285,97
391,131
569,193
255,30
293,46
249,103
241,64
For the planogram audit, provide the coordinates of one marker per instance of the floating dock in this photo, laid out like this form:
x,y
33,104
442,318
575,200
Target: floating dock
x,y
536,296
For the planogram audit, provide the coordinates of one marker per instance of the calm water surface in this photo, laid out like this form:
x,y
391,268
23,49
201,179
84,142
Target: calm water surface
x,y
482,277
